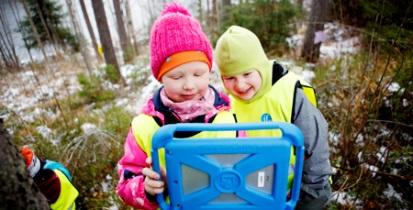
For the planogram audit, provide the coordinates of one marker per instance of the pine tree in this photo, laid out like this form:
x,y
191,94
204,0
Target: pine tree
x,y
47,16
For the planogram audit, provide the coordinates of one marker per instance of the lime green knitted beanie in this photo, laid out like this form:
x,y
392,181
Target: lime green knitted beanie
x,y
238,51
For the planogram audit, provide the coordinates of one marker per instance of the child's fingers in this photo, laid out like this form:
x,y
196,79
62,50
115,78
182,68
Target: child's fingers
x,y
148,161
153,186
154,191
150,173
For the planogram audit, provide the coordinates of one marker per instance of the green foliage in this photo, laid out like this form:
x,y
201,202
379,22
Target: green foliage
x,y
94,154
92,89
129,54
271,21
47,17
387,24
111,73
117,121
93,157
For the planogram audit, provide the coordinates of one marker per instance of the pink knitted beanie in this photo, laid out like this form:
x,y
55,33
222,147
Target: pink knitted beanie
x,y
173,32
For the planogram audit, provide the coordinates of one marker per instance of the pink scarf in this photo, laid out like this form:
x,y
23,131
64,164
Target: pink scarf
x,y
188,110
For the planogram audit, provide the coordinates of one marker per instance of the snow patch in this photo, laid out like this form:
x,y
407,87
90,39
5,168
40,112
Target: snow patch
x,y
382,154
405,102
393,87
121,102
44,131
334,138
338,49
373,169
88,128
344,198
295,41
360,157
306,73
391,193
360,140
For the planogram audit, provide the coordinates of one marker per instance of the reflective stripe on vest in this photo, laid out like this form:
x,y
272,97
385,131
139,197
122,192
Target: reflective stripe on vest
x,y
144,127
68,194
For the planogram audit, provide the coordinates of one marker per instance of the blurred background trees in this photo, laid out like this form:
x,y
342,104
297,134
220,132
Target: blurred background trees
x,y
45,23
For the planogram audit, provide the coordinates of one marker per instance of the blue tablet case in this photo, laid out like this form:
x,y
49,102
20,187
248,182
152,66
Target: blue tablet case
x,y
229,173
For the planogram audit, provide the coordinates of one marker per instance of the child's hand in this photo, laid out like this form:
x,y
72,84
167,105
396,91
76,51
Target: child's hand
x,y
153,182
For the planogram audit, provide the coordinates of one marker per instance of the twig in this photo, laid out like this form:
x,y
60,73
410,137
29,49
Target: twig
x,y
392,122
405,178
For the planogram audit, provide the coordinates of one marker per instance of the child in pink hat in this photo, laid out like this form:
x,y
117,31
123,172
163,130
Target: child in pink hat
x,y
181,59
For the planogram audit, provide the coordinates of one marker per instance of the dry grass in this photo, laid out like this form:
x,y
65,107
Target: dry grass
x,y
352,94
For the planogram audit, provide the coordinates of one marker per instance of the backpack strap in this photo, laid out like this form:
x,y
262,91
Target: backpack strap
x,y
277,72
52,165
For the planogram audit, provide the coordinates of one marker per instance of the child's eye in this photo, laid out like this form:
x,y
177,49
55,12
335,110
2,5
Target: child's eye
x,y
198,74
175,77
228,78
247,74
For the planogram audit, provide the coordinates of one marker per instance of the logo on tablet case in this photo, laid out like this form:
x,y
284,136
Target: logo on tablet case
x,y
228,181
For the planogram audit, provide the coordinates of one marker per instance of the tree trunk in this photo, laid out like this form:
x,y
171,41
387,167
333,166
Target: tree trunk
x,y
17,189
7,47
89,27
200,13
123,37
104,35
130,28
215,18
320,10
300,4
225,4
83,46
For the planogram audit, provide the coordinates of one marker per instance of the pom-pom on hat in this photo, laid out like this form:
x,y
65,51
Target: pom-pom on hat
x,y
177,38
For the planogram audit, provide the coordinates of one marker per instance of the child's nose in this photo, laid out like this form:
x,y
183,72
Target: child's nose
x,y
188,85
241,85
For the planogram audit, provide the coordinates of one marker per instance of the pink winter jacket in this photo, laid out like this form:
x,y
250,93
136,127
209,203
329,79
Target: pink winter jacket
x,y
131,184
131,189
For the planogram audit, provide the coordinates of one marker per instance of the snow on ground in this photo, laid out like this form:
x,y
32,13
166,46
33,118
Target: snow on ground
x,y
335,43
391,193
344,198
334,40
26,89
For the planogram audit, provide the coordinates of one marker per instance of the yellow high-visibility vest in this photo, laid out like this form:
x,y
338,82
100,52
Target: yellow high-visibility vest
x,y
277,104
145,126
68,194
